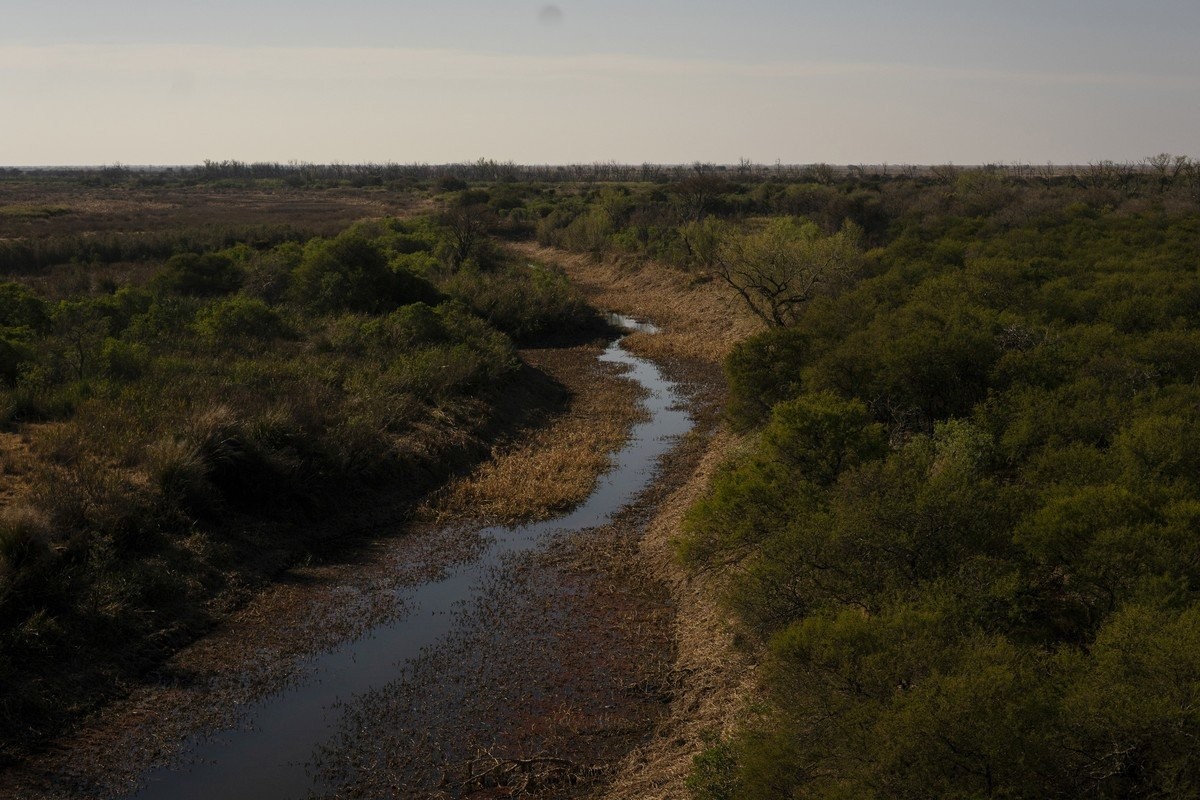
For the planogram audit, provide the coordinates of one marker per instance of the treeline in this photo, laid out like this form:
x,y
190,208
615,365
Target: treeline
x,y
36,254
1152,171
967,532
169,444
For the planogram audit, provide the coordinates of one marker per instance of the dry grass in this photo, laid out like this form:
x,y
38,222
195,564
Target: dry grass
x,y
14,463
18,460
82,209
700,319
557,466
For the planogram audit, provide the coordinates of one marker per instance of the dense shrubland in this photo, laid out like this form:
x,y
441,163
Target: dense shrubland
x,y
169,442
967,534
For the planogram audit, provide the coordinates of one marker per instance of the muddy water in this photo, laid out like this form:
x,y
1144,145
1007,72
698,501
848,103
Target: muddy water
x,y
270,755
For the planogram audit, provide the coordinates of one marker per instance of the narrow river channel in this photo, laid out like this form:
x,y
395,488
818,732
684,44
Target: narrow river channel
x,y
270,755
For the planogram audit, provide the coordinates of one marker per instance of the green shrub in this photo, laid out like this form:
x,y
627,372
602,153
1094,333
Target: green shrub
x,y
200,275
528,303
714,774
21,308
16,351
166,319
437,373
405,328
240,317
764,370
268,275
997,598
352,273
124,360
820,435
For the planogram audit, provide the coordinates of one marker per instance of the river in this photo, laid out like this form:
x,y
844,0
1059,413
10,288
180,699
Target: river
x,y
270,755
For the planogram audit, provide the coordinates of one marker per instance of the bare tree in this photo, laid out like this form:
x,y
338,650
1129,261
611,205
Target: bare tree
x,y
822,173
466,227
1046,173
777,270
945,174
1167,167
1190,172
695,192
1110,175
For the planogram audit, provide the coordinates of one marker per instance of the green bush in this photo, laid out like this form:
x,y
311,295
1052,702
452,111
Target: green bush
x,y
268,275
966,536
123,360
820,435
21,308
240,317
714,774
200,275
16,351
763,370
528,302
407,327
350,272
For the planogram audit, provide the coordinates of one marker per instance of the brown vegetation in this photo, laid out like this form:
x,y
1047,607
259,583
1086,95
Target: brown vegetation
x,y
557,466
44,209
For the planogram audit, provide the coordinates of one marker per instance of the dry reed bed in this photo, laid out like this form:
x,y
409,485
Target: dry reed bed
x,y
557,466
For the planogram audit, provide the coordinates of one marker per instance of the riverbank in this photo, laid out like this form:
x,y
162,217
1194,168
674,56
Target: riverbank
x,y
711,679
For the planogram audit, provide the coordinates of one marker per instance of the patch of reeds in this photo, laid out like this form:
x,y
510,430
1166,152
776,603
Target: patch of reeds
x,y
557,466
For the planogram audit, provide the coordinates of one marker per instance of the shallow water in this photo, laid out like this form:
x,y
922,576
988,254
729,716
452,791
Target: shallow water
x,y
269,756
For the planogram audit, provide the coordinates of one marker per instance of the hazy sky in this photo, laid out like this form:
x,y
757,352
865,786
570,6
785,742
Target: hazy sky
x,y
846,81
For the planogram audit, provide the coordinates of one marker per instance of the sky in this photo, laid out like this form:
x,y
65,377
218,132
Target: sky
x,y
580,81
